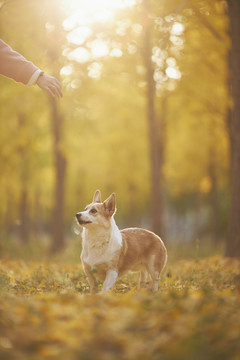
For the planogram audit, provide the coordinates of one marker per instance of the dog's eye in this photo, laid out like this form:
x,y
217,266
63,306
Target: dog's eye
x,y
93,211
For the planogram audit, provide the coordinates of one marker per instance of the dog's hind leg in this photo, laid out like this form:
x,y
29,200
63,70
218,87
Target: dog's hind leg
x,y
155,279
154,272
143,278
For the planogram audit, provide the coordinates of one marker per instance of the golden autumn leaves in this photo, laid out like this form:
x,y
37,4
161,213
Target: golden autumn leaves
x,y
46,313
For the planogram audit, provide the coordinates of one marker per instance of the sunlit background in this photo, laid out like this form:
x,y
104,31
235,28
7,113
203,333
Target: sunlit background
x,y
144,114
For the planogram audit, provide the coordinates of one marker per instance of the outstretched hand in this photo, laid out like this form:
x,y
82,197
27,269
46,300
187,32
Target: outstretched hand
x,y
50,84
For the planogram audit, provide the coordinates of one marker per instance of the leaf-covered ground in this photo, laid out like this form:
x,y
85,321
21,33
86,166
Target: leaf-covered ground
x,y
47,313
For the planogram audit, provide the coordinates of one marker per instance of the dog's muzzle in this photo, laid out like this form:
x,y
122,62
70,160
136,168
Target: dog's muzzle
x,y
80,220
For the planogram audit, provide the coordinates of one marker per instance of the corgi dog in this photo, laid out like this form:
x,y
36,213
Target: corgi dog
x,y
108,253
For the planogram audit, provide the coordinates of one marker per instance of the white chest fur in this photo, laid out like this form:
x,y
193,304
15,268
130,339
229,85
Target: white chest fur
x,y
100,245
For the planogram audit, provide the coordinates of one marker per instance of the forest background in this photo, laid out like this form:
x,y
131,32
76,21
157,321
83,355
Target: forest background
x,y
145,113
151,111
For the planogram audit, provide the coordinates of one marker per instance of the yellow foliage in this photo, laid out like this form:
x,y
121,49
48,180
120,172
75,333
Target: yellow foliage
x,y
47,313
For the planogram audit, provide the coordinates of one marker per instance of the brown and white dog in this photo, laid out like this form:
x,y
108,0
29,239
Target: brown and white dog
x,y
108,252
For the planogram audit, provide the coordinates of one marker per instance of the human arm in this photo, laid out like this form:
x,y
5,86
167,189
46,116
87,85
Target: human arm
x,y
13,65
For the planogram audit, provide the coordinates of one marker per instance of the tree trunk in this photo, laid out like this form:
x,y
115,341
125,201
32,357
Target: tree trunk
x,y
38,227
233,239
59,187
214,201
23,218
24,228
154,140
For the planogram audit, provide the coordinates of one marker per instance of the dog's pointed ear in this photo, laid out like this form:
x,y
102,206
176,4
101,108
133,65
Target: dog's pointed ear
x,y
97,197
110,204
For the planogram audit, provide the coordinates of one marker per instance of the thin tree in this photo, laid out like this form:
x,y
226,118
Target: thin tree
x,y
233,239
60,175
154,136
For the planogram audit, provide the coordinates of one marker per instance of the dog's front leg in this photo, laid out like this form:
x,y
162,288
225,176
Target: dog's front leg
x,y
91,278
110,280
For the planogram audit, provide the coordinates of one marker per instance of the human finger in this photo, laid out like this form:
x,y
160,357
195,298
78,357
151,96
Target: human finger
x,y
49,90
57,88
58,91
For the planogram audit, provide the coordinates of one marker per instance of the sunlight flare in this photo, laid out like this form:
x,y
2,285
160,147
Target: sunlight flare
x,y
80,16
91,11
173,73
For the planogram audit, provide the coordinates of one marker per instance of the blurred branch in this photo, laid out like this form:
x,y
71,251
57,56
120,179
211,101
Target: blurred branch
x,y
192,92
5,2
2,3
207,24
180,7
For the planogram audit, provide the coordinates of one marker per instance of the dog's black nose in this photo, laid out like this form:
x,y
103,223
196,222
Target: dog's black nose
x,y
78,215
